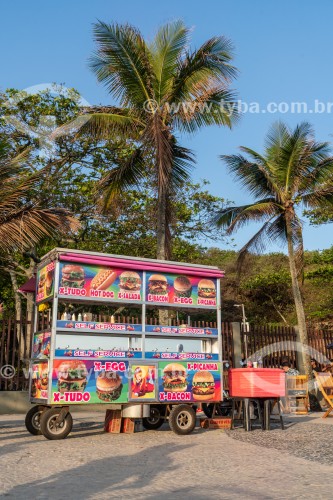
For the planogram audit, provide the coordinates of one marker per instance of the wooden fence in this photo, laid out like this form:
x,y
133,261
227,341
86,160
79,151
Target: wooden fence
x,y
278,343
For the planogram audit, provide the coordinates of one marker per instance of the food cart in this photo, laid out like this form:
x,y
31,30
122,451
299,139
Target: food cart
x,y
146,369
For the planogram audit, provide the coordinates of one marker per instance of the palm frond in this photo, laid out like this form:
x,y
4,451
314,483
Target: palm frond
x,y
166,50
320,197
211,61
25,226
211,106
257,244
256,177
122,63
121,178
233,218
183,163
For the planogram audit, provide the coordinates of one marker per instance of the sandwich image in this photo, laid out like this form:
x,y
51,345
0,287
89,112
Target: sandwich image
x,y
49,282
206,289
158,284
103,279
72,376
44,382
203,386
182,287
108,386
34,388
72,276
174,378
129,281
41,283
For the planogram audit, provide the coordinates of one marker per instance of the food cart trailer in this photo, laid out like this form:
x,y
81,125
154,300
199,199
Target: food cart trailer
x,y
148,370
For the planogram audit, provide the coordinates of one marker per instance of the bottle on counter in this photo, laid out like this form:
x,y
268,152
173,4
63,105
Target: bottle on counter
x,y
112,319
85,317
69,317
79,318
73,317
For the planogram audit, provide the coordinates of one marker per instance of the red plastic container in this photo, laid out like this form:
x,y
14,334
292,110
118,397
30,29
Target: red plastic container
x,y
257,382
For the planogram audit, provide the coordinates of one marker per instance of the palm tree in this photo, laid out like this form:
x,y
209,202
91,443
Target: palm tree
x,y
294,171
23,223
162,88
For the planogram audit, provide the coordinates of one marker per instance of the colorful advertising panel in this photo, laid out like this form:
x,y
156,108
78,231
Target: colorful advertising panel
x,y
98,326
181,330
41,346
99,282
181,290
39,380
189,381
87,381
181,355
97,353
45,282
143,378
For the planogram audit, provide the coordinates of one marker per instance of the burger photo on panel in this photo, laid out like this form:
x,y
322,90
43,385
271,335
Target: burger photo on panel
x,y
44,381
49,282
206,289
41,282
182,286
203,386
72,376
174,378
130,281
108,386
72,276
158,285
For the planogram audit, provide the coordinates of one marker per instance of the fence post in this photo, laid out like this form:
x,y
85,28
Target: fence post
x,y
237,344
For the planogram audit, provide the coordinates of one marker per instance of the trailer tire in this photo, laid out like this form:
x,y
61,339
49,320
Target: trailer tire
x,y
182,419
49,427
156,418
32,420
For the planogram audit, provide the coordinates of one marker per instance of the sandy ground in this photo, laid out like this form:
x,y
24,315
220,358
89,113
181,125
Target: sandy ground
x,y
156,464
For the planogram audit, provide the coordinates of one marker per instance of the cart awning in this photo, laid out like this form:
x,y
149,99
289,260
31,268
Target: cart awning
x,y
142,265
29,286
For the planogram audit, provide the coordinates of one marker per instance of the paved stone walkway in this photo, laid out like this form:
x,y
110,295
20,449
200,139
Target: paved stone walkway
x,y
90,464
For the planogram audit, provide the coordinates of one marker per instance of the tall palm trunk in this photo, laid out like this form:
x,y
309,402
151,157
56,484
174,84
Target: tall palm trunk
x,y
302,334
161,232
162,246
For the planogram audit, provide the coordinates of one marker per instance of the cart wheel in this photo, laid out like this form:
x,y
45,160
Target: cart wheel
x,y
32,419
182,419
53,430
156,419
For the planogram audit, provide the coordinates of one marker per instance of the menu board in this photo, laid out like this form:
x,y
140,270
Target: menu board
x,y
99,282
41,345
39,380
45,282
88,381
180,290
189,381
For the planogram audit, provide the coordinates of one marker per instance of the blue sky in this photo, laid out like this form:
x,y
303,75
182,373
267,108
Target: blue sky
x,y
282,51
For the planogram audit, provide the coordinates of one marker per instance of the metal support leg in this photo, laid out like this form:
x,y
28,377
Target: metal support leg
x,y
233,413
280,414
246,416
267,414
